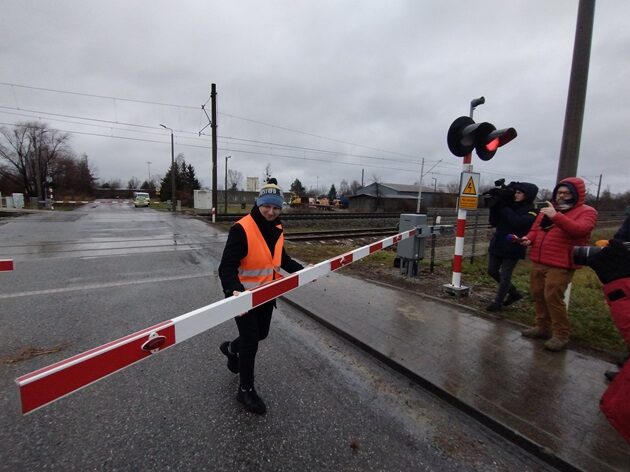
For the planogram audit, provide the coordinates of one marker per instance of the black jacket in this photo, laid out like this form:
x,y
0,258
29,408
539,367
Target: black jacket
x,y
515,218
623,233
236,249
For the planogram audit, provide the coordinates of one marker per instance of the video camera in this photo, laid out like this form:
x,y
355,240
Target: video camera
x,y
501,193
583,255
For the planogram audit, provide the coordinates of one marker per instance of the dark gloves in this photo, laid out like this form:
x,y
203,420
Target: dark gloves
x,y
612,262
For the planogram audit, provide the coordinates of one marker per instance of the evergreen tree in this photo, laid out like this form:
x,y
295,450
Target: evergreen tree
x,y
297,188
332,193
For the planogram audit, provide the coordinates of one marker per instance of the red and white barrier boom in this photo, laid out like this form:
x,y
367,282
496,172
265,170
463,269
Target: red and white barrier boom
x,y
6,265
51,383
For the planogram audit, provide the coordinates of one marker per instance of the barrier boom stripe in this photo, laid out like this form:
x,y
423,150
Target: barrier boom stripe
x,y
46,385
6,265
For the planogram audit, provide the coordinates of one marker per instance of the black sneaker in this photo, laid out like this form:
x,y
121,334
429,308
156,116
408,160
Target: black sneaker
x,y
251,401
512,298
232,359
494,306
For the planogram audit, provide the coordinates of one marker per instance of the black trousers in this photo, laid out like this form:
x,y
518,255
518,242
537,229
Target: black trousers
x,y
253,327
500,269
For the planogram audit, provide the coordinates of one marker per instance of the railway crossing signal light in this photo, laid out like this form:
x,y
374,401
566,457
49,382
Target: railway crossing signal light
x,y
464,135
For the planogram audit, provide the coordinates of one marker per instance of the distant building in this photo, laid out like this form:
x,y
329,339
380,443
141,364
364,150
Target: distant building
x,y
398,197
252,184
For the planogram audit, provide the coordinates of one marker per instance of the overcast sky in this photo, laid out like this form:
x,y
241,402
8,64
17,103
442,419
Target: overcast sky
x,y
317,90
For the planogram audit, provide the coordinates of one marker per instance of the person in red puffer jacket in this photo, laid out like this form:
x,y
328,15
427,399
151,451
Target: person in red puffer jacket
x,y
565,223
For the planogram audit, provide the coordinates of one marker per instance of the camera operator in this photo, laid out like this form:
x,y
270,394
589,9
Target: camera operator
x,y
512,213
558,227
622,235
612,266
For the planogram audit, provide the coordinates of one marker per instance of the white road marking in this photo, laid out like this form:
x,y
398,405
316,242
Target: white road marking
x,y
105,285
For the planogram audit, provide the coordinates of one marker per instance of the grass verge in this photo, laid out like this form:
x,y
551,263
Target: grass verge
x,y
592,327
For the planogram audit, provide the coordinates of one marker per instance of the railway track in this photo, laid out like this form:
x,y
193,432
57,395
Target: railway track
x,y
339,234
349,233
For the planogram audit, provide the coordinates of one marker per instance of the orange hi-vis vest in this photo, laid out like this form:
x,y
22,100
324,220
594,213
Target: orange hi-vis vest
x,y
258,266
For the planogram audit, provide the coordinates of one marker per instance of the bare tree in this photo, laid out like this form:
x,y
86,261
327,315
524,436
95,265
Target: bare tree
x,y
452,187
31,150
235,179
354,187
344,188
134,183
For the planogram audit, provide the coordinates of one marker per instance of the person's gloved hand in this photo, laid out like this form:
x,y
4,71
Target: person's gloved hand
x,y
612,263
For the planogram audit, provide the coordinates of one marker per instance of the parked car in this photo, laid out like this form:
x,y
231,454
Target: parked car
x,y
141,199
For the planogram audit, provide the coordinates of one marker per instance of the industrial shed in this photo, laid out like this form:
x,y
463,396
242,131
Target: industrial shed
x,y
397,197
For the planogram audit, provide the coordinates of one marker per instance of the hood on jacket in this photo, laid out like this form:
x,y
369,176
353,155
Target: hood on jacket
x,y
530,190
577,188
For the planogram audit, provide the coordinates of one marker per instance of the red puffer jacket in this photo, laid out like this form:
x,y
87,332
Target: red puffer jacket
x,y
552,247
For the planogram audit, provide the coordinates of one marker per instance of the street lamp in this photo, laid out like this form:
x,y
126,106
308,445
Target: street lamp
x,y
172,168
226,189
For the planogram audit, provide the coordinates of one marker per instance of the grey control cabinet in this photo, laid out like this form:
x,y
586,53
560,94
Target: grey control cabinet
x,y
413,248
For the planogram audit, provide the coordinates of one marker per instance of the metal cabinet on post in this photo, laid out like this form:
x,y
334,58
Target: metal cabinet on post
x,y
411,250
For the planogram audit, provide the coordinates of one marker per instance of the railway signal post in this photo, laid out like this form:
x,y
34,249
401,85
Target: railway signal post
x,y
463,136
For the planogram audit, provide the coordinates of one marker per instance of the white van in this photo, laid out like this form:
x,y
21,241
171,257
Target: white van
x,y
141,199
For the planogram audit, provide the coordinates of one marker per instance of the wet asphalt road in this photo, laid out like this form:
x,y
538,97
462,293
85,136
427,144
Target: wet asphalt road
x,y
90,276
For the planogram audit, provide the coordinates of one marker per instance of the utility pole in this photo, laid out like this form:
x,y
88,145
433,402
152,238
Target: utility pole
x,y
213,124
226,188
422,174
173,200
420,187
574,115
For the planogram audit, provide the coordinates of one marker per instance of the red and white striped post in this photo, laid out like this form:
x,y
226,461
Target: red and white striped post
x,y
46,385
456,286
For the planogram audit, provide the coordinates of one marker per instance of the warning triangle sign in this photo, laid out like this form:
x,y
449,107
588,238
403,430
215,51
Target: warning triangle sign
x,y
470,187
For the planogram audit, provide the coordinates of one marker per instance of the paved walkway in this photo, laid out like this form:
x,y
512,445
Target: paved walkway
x,y
547,402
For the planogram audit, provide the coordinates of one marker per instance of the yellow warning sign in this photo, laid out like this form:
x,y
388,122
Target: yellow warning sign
x,y
470,189
469,203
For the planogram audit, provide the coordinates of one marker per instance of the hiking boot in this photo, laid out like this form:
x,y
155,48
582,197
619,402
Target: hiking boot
x,y
511,298
232,359
494,306
536,333
610,375
556,344
251,401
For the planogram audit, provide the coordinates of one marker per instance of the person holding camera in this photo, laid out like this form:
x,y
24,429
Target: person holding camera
x,y
512,213
612,266
561,225
604,267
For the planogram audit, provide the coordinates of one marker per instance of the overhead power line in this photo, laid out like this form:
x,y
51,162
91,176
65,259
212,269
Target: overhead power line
x,y
228,149
193,135
189,107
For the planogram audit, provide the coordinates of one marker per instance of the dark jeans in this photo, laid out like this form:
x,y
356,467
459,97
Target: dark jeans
x,y
500,269
253,327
